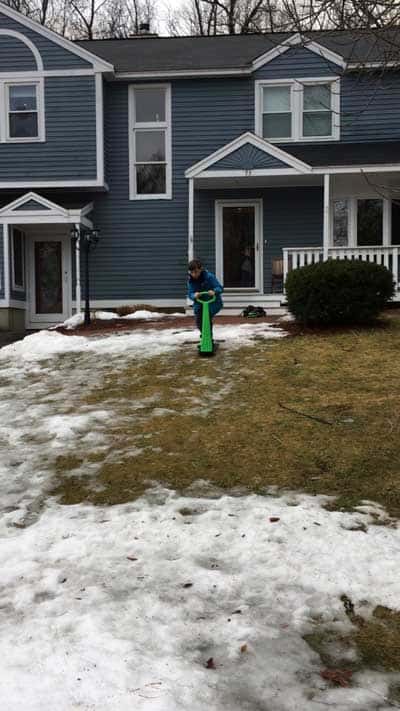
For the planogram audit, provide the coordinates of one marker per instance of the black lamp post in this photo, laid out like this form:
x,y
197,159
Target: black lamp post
x,y
87,238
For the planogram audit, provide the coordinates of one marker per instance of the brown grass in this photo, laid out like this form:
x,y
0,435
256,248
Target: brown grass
x,y
373,643
246,438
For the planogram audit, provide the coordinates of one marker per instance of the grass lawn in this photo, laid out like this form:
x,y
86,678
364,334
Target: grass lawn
x,y
314,412
317,413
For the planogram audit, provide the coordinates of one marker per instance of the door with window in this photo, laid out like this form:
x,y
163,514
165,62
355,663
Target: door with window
x,y
238,244
49,280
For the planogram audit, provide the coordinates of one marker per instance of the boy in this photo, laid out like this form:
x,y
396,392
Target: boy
x,y
202,280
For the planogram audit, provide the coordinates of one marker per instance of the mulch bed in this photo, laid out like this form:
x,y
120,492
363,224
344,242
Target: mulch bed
x,y
98,328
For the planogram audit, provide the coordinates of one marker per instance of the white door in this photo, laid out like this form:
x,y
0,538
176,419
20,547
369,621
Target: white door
x,y
49,260
239,244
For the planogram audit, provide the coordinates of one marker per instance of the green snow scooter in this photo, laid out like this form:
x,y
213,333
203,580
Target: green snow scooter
x,y
206,347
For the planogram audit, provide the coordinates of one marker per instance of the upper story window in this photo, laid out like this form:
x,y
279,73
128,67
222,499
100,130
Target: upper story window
x,y
22,111
150,141
22,119
298,110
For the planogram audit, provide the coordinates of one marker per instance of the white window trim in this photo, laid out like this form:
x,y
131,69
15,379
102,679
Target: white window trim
x,y
4,101
296,101
352,212
18,287
162,125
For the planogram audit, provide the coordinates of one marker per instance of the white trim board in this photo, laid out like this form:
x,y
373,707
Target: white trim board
x,y
99,64
255,141
54,184
22,38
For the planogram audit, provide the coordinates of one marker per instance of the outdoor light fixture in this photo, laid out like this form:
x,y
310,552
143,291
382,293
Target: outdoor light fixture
x,y
87,238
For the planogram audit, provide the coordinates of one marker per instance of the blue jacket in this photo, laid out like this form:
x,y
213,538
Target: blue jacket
x,y
205,282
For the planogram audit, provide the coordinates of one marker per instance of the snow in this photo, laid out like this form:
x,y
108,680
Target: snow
x,y
44,344
142,315
96,615
84,626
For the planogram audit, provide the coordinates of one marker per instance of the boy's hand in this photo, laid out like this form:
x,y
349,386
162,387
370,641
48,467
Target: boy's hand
x,y
197,294
211,292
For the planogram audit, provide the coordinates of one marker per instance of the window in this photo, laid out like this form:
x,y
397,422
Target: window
x,y
298,110
18,259
150,142
277,112
24,120
22,111
360,222
317,110
340,223
395,222
369,222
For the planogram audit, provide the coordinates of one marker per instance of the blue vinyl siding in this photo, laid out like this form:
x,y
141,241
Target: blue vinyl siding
x,y
292,217
1,263
69,151
53,56
370,107
143,248
15,56
297,63
248,157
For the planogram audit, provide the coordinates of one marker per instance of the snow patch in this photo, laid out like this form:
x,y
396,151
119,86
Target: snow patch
x,y
123,607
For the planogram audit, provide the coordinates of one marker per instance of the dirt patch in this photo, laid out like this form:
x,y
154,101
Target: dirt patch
x,y
112,326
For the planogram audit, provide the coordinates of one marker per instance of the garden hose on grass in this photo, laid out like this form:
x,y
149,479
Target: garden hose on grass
x,y
206,347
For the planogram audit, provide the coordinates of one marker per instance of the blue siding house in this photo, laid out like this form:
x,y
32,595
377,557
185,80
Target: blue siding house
x,y
256,153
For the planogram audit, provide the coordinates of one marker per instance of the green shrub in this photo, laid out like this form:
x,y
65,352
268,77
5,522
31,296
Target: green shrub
x,y
338,292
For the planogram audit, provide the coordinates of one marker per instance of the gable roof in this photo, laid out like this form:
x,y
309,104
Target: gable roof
x,y
283,160
101,64
238,54
32,205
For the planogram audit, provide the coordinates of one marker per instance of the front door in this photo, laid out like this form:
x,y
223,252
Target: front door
x,y
238,248
49,283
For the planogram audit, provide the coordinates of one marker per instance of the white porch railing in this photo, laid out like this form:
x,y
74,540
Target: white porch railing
x,y
294,258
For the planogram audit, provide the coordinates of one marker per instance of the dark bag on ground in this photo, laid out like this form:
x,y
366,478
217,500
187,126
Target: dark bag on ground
x,y
253,312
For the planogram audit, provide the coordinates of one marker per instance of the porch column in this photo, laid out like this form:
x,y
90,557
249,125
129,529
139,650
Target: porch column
x,y
191,221
7,264
327,216
78,270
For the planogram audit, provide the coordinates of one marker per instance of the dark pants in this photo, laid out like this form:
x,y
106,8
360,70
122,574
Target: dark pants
x,y
199,320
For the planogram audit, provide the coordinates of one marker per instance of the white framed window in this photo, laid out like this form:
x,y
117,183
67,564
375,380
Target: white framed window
x,y
23,111
150,150
298,109
18,259
361,222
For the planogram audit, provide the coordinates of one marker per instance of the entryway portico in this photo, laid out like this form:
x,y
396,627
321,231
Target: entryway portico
x,y
39,258
307,213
